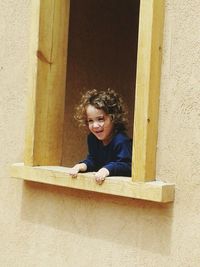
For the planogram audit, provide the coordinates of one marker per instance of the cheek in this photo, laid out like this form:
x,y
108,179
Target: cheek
x,y
109,127
90,127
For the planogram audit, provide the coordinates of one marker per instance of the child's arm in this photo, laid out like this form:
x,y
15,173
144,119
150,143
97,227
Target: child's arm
x,y
121,165
90,161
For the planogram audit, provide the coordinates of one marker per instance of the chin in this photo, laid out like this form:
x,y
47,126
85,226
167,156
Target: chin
x,y
100,138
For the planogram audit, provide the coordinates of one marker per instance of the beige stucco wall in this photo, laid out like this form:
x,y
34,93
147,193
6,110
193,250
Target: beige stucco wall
x,y
44,225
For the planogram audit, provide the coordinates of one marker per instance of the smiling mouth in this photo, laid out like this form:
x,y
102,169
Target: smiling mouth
x,y
99,132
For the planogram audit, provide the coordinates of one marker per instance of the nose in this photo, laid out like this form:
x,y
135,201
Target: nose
x,y
96,124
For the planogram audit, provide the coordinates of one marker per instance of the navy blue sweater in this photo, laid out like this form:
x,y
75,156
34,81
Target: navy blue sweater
x,y
115,157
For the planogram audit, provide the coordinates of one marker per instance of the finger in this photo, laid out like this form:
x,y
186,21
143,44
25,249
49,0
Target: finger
x,y
100,180
73,175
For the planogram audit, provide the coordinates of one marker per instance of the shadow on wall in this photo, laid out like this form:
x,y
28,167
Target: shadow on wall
x,y
128,222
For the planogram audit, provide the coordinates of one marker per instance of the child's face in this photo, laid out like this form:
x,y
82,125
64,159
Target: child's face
x,y
100,124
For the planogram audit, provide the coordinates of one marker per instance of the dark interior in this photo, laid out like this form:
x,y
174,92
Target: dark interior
x,y
102,53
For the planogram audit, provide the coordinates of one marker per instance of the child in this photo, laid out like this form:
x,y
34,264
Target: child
x,y
109,148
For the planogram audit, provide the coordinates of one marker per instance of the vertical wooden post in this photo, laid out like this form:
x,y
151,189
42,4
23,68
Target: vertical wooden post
x,y
147,89
44,134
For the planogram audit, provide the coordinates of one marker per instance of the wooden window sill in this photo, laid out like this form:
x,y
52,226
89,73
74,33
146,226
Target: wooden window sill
x,y
121,186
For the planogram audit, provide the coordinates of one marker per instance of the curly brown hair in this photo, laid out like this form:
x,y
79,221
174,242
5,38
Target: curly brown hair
x,y
109,101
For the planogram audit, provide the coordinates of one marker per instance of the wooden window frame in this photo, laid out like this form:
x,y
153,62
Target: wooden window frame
x,y
44,131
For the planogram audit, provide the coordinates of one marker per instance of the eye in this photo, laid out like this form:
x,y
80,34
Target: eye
x,y
90,121
101,119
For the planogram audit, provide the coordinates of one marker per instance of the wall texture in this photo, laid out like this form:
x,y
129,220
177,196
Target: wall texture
x,y
44,225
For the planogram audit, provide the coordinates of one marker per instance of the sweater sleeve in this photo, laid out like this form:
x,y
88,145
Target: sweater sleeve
x,y
90,161
122,165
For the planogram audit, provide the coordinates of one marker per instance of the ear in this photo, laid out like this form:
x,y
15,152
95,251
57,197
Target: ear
x,y
112,117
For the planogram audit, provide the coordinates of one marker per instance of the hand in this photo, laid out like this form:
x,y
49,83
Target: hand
x,y
80,167
101,175
73,172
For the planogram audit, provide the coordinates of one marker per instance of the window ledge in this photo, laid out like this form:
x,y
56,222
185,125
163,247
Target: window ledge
x,y
121,186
